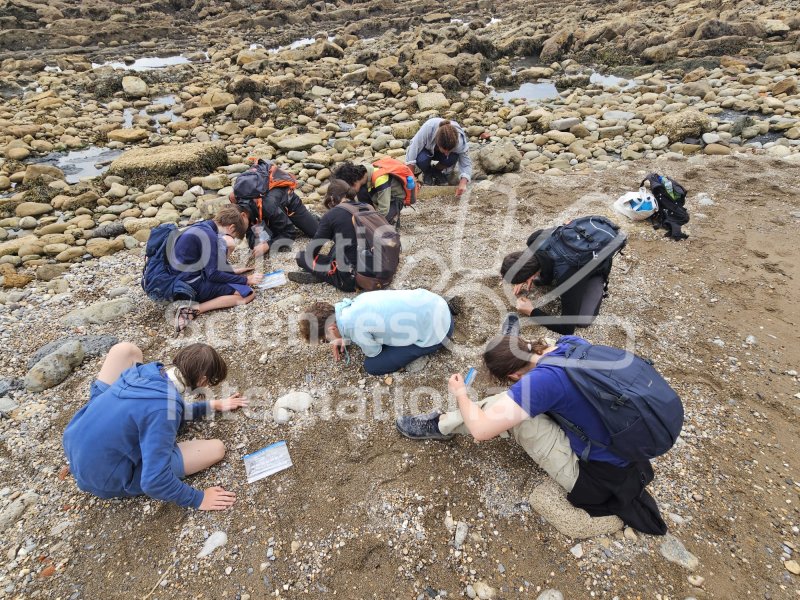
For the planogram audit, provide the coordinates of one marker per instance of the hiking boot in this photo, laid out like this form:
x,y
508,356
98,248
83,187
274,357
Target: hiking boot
x,y
302,277
421,427
510,325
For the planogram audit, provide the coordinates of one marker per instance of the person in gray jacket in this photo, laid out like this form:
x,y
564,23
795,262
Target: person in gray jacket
x,y
437,149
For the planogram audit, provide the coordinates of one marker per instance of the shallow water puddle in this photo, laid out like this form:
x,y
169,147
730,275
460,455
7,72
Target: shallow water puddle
x,y
145,64
611,81
541,90
166,101
77,164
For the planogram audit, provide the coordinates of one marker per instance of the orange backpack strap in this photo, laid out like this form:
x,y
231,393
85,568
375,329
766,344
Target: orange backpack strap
x,y
278,178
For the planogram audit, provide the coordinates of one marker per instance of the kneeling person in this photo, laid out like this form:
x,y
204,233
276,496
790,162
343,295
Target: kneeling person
x,y
532,410
392,327
122,443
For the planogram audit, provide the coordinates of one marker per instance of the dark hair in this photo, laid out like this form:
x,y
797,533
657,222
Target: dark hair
x,y
514,271
338,191
196,361
506,354
349,172
231,215
446,136
315,319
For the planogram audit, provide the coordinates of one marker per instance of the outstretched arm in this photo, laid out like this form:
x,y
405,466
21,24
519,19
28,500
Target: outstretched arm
x,y
486,424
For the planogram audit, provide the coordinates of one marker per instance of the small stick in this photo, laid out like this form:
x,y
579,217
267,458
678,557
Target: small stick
x,y
160,580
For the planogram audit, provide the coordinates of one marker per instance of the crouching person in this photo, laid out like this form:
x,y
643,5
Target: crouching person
x,y
392,327
123,442
560,428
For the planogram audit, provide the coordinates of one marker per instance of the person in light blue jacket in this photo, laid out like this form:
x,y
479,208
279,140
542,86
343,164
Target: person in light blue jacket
x,y
438,148
123,442
392,327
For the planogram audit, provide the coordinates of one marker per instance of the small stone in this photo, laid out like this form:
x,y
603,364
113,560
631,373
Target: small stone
x,y
214,541
484,590
674,551
55,367
630,534
791,565
550,594
577,551
388,380
462,529
13,511
7,405
295,546
292,402
696,580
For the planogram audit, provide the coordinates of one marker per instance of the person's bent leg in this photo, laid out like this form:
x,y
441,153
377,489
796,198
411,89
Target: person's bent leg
x,y
547,444
394,358
222,302
301,217
424,159
580,305
452,422
120,358
198,455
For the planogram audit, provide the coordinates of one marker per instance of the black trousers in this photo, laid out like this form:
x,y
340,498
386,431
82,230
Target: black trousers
x,y
326,270
580,306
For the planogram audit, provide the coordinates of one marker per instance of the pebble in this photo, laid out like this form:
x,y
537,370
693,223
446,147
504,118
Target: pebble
x,y
577,551
462,529
550,594
674,551
214,541
792,566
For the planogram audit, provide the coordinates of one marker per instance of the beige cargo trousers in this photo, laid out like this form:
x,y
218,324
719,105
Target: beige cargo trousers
x,y
541,437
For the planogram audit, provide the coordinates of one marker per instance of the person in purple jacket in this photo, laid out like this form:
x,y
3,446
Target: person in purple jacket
x,y
200,259
123,442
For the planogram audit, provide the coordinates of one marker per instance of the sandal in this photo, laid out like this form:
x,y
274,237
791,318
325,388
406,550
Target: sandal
x,y
183,316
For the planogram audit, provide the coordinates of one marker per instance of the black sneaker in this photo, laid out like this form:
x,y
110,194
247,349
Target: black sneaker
x,y
434,179
302,277
421,427
510,325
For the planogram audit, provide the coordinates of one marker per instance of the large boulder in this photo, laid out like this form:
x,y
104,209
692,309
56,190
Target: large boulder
x,y
303,141
127,136
99,313
499,158
93,345
32,209
432,101
435,64
217,99
678,126
55,367
134,87
550,500
142,167
41,173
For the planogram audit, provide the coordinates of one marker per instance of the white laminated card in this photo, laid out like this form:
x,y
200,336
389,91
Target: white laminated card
x,y
267,461
273,280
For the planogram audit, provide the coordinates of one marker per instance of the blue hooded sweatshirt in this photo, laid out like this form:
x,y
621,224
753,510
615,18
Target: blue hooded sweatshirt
x,y
121,443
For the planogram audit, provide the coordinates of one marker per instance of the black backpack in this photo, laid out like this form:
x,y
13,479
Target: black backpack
x,y
378,247
584,241
671,214
251,187
641,412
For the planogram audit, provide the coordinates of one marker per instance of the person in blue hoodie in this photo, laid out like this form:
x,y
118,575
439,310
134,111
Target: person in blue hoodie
x,y
392,327
123,442
200,259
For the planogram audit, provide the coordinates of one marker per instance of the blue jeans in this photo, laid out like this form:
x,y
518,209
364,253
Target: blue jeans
x,y
424,159
394,358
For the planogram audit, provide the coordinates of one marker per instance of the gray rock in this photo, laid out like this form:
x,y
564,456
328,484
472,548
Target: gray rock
x,y
432,101
292,402
304,141
214,541
55,367
9,385
93,345
134,87
118,291
550,500
16,509
99,313
550,594
674,551
7,405
565,123
618,115
500,158
109,230
462,529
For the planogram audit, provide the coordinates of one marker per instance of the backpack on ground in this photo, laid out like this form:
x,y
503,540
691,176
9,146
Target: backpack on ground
x,y
671,214
378,247
252,186
159,280
641,412
393,168
581,242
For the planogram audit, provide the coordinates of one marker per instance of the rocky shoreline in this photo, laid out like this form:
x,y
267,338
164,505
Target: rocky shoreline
x,y
115,119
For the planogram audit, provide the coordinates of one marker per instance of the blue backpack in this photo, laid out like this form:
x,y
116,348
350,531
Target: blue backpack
x,y
582,241
642,413
160,281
